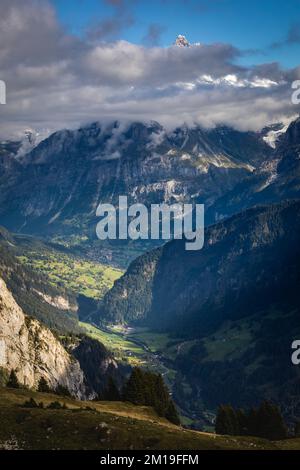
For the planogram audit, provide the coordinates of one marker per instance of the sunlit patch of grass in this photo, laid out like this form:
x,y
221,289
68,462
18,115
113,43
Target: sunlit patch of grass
x,y
77,275
122,348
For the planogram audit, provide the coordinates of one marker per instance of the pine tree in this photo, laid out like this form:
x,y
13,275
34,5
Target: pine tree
x,y
227,421
112,393
62,391
13,381
242,422
270,422
31,403
172,414
161,396
135,388
234,422
221,421
147,388
252,422
43,386
265,422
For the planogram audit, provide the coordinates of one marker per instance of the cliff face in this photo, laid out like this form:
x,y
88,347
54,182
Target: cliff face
x,y
32,350
98,365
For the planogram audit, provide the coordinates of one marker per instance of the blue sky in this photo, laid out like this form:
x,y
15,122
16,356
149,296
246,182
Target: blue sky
x,y
252,26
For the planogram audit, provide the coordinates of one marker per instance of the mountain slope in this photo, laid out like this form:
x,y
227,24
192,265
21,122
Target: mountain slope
x,y
51,283
60,183
232,310
277,179
78,363
54,306
105,425
253,252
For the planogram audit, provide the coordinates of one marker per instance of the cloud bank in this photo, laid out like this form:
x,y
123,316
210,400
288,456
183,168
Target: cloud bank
x,y
56,80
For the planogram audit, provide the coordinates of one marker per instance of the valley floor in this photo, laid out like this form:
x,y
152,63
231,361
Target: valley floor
x,y
105,426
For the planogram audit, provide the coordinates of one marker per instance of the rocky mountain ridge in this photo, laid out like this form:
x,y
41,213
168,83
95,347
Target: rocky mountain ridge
x,y
54,190
276,180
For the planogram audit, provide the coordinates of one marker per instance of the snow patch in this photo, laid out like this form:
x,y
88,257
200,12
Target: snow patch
x,y
273,135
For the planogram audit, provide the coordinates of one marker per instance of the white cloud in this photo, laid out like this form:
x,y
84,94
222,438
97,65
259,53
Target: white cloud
x,y
55,80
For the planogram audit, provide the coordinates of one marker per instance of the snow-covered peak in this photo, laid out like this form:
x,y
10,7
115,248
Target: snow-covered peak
x,y
181,41
30,139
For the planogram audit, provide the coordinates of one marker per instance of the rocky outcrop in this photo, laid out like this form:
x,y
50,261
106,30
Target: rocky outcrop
x,y
33,351
98,365
58,301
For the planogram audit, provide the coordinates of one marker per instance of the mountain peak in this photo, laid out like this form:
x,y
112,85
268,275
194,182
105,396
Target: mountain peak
x,y
181,41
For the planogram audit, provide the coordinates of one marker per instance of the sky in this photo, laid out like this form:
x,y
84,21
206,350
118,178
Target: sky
x,y
253,26
69,62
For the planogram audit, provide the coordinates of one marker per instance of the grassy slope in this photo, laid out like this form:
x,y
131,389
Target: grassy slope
x,y
110,425
123,349
76,274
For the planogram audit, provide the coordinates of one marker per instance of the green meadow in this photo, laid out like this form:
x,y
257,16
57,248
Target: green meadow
x,y
73,273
